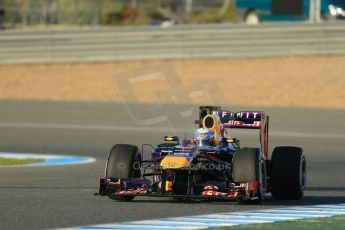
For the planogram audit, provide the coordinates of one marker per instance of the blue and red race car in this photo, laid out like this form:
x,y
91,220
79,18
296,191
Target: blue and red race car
x,y
211,165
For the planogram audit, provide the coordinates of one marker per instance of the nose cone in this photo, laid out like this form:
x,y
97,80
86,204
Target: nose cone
x,y
172,162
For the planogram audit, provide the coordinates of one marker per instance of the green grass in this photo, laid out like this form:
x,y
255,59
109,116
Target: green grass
x,y
12,161
325,223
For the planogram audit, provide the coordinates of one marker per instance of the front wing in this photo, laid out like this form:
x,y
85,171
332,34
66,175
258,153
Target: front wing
x,y
116,187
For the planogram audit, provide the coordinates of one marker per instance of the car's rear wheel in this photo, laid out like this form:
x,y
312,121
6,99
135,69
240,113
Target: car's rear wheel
x,y
288,173
121,164
248,165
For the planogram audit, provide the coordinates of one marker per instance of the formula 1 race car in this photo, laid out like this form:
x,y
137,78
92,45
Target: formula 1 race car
x,y
211,165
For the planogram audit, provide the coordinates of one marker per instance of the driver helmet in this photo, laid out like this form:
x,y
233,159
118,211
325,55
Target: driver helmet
x,y
204,137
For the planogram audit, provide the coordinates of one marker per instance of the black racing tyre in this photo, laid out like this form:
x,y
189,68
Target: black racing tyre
x,y
248,165
288,173
121,164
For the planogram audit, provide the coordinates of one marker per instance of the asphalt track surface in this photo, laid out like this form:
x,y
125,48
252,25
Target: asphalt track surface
x,y
62,196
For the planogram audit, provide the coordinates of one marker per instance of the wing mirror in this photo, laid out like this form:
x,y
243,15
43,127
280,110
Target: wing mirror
x,y
172,138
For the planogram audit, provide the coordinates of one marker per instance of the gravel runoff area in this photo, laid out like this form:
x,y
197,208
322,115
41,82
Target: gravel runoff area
x,y
312,82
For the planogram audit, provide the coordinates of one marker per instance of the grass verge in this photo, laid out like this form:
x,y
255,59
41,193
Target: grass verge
x,y
13,161
325,223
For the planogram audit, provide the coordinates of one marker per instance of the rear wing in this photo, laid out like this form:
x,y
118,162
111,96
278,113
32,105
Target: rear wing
x,y
240,120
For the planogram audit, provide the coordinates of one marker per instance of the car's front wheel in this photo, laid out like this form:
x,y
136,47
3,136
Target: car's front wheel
x,y
248,166
122,164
